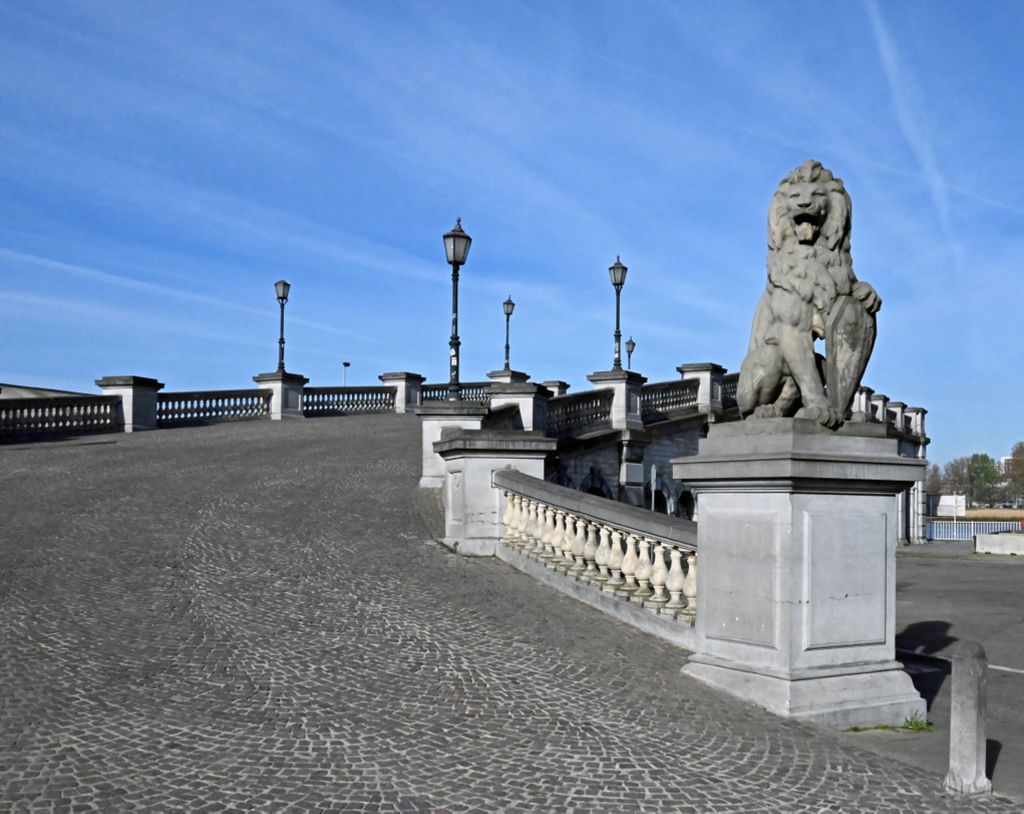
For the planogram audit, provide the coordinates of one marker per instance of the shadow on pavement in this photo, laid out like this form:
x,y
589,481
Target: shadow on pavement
x,y
925,638
992,750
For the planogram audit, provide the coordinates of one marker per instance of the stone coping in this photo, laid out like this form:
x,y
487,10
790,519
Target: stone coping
x,y
518,389
603,376
454,439
700,367
281,376
627,518
399,374
443,407
129,381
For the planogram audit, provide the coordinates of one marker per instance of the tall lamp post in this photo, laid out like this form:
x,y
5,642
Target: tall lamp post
x,y
630,347
508,307
456,248
617,272
282,287
344,373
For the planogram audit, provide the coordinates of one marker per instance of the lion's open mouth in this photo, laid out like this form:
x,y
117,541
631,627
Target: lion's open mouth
x,y
805,224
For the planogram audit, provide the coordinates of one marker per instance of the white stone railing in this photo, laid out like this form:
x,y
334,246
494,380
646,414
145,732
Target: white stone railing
x,y
635,556
579,413
322,401
60,415
202,406
666,400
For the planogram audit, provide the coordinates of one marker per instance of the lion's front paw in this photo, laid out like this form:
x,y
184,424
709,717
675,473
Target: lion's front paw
x,y
867,295
764,411
825,416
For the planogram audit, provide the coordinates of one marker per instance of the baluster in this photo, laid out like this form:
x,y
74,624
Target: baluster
x,y
659,573
643,572
629,564
566,536
674,582
506,517
537,531
604,548
590,554
614,562
579,541
690,584
530,522
556,537
522,520
548,535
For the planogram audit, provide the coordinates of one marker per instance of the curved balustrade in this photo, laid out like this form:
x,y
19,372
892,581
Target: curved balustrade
x,y
631,554
59,415
321,401
666,400
203,406
579,413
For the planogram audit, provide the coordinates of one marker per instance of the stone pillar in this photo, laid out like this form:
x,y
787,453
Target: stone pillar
x,y
709,393
861,408
286,390
532,400
472,506
508,376
408,389
631,467
626,406
436,416
967,743
138,399
556,386
916,416
898,410
797,594
880,408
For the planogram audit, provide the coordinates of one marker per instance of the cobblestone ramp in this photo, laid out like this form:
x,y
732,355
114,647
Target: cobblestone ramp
x,y
251,617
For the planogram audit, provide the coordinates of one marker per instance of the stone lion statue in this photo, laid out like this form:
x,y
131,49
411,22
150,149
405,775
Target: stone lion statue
x,y
811,294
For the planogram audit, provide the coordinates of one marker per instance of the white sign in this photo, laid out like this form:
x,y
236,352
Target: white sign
x,y
952,506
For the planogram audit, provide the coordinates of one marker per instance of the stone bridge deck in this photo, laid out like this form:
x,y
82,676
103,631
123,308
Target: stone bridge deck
x,y
251,617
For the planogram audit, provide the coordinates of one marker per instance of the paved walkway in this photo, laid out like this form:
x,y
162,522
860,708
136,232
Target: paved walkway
x,y
250,617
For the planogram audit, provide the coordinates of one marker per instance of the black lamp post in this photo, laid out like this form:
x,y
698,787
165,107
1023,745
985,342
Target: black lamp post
x,y
282,287
456,248
630,347
617,272
344,373
508,307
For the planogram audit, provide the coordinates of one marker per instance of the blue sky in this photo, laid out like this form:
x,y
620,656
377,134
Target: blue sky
x,y
163,164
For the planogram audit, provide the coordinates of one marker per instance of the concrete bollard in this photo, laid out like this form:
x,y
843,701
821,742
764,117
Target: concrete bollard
x,y
967,722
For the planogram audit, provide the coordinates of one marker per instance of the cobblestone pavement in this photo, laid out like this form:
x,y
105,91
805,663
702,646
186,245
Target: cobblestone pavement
x,y
250,617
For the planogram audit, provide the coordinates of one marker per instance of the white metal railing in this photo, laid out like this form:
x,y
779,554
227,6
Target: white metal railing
x,y
966,529
632,554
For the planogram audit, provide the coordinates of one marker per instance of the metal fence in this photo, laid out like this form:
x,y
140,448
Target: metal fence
x,y
966,529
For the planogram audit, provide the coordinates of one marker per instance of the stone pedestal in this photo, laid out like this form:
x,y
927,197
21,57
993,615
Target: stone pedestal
x,y
709,390
556,386
408,389
797,542
626,406
472,506
286,401
436,416
531,399
138,399
508,376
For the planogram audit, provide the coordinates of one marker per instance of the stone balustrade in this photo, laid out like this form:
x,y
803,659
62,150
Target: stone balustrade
x,y
663,401
323,401
29,417
477,392
633,557
183,408
579,413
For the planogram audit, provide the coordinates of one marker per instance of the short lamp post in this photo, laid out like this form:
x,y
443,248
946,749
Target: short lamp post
x,y
508,307
456,248
282,287
617,272
630,347
344,373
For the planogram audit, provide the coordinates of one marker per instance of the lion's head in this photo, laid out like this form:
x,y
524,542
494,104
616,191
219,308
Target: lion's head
x,y
810,207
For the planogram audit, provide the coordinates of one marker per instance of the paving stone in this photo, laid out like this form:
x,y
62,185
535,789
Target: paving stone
x,y
251,616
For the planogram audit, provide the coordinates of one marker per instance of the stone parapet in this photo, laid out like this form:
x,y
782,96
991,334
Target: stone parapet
x,y
408,389
626,385
435,417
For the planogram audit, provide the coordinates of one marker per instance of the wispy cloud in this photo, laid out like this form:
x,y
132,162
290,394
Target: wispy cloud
x,y
911,117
